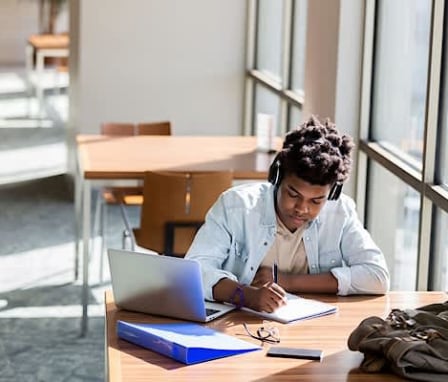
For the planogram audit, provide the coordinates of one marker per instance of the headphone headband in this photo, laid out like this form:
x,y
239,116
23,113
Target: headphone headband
x,y
275,177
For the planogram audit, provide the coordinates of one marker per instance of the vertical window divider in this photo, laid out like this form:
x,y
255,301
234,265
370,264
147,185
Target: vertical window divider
x,y
429,143
361,175
286,62
251,38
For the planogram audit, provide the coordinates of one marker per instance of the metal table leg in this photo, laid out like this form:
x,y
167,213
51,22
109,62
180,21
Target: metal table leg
x,y
85,252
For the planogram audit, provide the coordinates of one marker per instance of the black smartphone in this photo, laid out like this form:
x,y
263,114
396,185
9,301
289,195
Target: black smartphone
x,y
278,351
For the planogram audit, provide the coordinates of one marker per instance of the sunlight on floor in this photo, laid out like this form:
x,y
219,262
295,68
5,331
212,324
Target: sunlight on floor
x,y
52,265
11,82
40,268
25,123
26,151
71,311
28,163
15,82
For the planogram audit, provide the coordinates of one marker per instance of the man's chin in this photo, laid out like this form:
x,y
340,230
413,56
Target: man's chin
x,y
297,223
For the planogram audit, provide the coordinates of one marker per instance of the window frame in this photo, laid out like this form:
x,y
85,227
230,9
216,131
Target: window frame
x,y
424,182
282,89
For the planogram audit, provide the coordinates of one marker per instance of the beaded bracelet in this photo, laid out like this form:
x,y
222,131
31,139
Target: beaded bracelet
x,y
240,293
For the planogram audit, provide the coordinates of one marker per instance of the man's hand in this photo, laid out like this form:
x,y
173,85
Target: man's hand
x,y
266,298
262,277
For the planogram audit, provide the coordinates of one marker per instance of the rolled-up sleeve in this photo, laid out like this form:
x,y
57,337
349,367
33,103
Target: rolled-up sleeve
x,y
365,270
210,248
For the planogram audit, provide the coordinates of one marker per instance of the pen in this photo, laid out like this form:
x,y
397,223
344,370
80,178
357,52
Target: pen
x,y
275,272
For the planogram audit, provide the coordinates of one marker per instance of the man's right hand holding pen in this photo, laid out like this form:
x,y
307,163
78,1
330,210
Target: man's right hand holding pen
x,y
263,295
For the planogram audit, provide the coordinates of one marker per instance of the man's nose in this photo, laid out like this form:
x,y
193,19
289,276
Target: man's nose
x,y
302,207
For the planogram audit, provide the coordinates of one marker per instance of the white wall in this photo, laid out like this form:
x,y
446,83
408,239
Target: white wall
x,y
333,66
18,20
147,60
321,58
349,70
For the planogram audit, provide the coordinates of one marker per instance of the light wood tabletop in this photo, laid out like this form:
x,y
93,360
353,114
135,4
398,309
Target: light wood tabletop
x,y
49,41
128,362
127,157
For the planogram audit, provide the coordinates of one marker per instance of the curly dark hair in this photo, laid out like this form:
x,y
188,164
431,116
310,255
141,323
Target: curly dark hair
x,y
316,152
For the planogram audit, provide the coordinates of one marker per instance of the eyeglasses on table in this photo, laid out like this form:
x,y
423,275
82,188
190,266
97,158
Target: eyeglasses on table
x,y
265,334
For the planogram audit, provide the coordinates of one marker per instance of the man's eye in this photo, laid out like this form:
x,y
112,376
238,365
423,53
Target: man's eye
x,y
291,195
317,202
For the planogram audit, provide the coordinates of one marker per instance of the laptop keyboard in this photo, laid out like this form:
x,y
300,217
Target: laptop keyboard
x,y
209,311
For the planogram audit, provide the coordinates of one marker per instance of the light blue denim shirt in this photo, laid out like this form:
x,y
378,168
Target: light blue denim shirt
x,y
240,228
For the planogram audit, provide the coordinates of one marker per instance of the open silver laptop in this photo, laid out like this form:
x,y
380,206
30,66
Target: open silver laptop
x,y
161,285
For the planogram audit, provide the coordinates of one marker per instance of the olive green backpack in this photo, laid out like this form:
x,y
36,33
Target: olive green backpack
x,y
412,343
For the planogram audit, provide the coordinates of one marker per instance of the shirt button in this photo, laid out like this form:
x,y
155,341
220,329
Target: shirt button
x,y
251,268
333,261
307,238
313,266
265,243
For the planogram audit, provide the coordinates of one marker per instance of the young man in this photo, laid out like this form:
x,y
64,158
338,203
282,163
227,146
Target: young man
x,y
297,223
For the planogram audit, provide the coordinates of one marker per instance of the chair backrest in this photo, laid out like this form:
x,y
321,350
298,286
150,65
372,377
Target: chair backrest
x,y
118,128
149,128
174,206
154,128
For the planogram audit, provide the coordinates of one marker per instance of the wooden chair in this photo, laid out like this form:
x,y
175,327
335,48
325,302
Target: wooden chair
x,y
154,128
130,195
122,195
119,129
174,207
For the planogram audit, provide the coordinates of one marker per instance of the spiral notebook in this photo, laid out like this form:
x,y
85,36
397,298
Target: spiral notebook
x,y
296,309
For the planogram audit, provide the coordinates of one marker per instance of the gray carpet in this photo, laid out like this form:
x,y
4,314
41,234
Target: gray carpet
x,y
40,303
39,339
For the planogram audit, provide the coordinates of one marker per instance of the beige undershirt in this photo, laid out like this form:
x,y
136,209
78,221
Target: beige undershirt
x,y
288,250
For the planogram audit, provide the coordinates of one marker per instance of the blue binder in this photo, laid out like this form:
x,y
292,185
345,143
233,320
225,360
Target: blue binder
x,y
186,342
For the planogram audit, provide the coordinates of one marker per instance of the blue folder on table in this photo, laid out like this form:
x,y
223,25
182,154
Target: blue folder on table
x,y
186,342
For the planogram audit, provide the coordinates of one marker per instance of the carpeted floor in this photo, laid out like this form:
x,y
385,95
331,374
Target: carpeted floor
x,y
40,302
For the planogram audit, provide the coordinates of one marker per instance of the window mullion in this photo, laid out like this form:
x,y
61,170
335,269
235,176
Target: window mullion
x,y
251,38
366,96
429,144
286,63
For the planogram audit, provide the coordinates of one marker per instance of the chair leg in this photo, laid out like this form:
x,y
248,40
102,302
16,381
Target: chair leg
x,y
96,228
103,238
96,220
128,234
124,239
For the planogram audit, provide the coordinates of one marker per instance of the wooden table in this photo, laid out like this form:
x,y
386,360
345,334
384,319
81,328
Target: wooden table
x,y
128,362
123,160
43,45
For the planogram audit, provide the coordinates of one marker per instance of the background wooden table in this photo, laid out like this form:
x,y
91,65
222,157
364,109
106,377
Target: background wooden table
x,y
43,46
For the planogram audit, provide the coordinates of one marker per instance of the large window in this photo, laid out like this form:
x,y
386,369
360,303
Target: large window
x,y
402,189
439,275
276,62
400,81
444,150
404,137
442,172
393,216
269,38
266,102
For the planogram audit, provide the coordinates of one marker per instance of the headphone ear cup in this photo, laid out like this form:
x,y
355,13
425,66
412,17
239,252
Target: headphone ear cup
x,y
274,175
335,192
